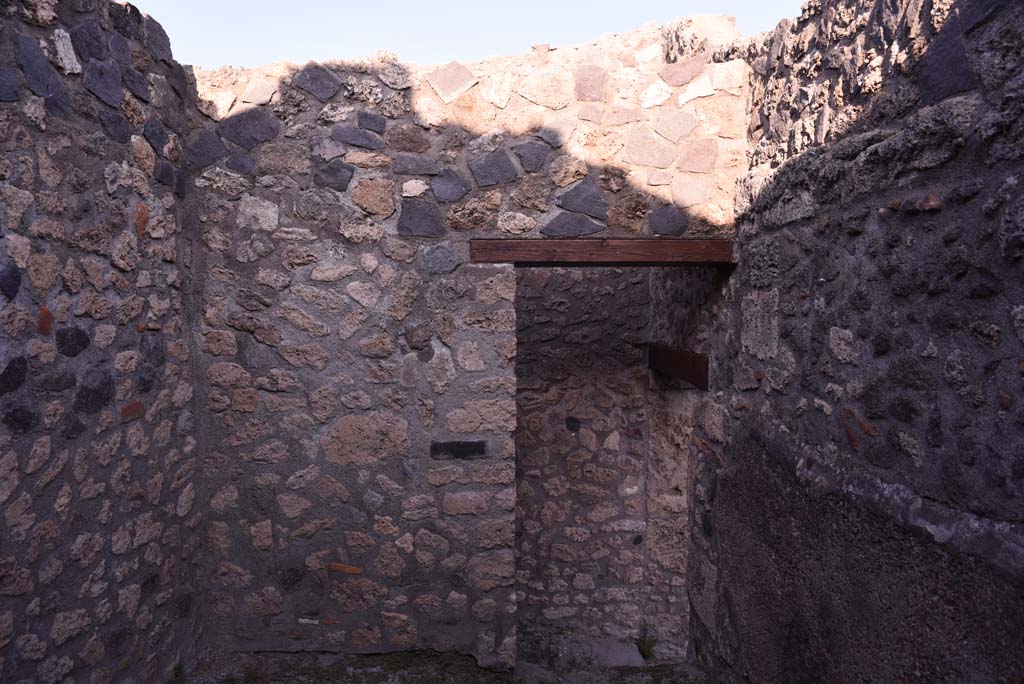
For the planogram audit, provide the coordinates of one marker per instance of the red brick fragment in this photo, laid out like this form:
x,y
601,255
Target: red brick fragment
x,y
347,569
141,218
45,321
131,411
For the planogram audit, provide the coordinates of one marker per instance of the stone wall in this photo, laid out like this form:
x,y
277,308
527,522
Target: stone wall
x,y
98,458
858,478
360,377
296,240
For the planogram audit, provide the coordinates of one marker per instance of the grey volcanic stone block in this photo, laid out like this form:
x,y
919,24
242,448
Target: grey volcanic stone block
x,y
415,165
667,221
421,218
116,126
335,174
20,419
585,198
120,50
532,154
57,381
13,375
127,20
204,149
90,41
352,135
250,128
240,162
166,173
493,169
157,42
135,82
449,186
103,79
71,341
438,259
318,81
945,68
95,391
41,77
9,90
10,281
372,122
567,224
155,133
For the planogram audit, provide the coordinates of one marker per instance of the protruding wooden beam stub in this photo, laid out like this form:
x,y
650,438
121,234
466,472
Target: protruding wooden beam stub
x,y
680,364
606,252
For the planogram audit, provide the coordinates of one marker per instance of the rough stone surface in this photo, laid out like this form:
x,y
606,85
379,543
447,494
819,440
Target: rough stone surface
x,y
495,168
246,396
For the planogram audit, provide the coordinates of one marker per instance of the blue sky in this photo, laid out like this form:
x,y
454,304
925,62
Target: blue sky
x,y
251,32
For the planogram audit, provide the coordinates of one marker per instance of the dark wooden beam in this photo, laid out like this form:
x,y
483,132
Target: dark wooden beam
x,y
604,252
680,364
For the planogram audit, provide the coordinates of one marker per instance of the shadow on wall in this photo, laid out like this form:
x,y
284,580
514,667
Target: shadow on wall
x,y
360,373
861,481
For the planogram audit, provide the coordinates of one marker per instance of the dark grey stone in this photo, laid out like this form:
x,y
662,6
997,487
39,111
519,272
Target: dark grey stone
x,y
421,218
71,341
20,419
318,81
438,259
166,173
945,68
72,428
153,348
449,186
10,280
335,174
250,128
57,381
570,225
9,89
204,149
584,198
116,126
459,449
532,154
351,135
120,50
415,165
13,375
493,169
157,42
94,392
127,20
103,79
135,82
90,41
156,133
40,76
240,162
372,122
667,221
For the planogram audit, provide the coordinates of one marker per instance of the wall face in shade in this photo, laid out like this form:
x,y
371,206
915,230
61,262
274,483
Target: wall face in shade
x,y
602,506
857,468
99,497
347,340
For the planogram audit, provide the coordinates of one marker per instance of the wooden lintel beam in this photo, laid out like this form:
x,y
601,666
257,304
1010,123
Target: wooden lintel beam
x,y
604,252
680,364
